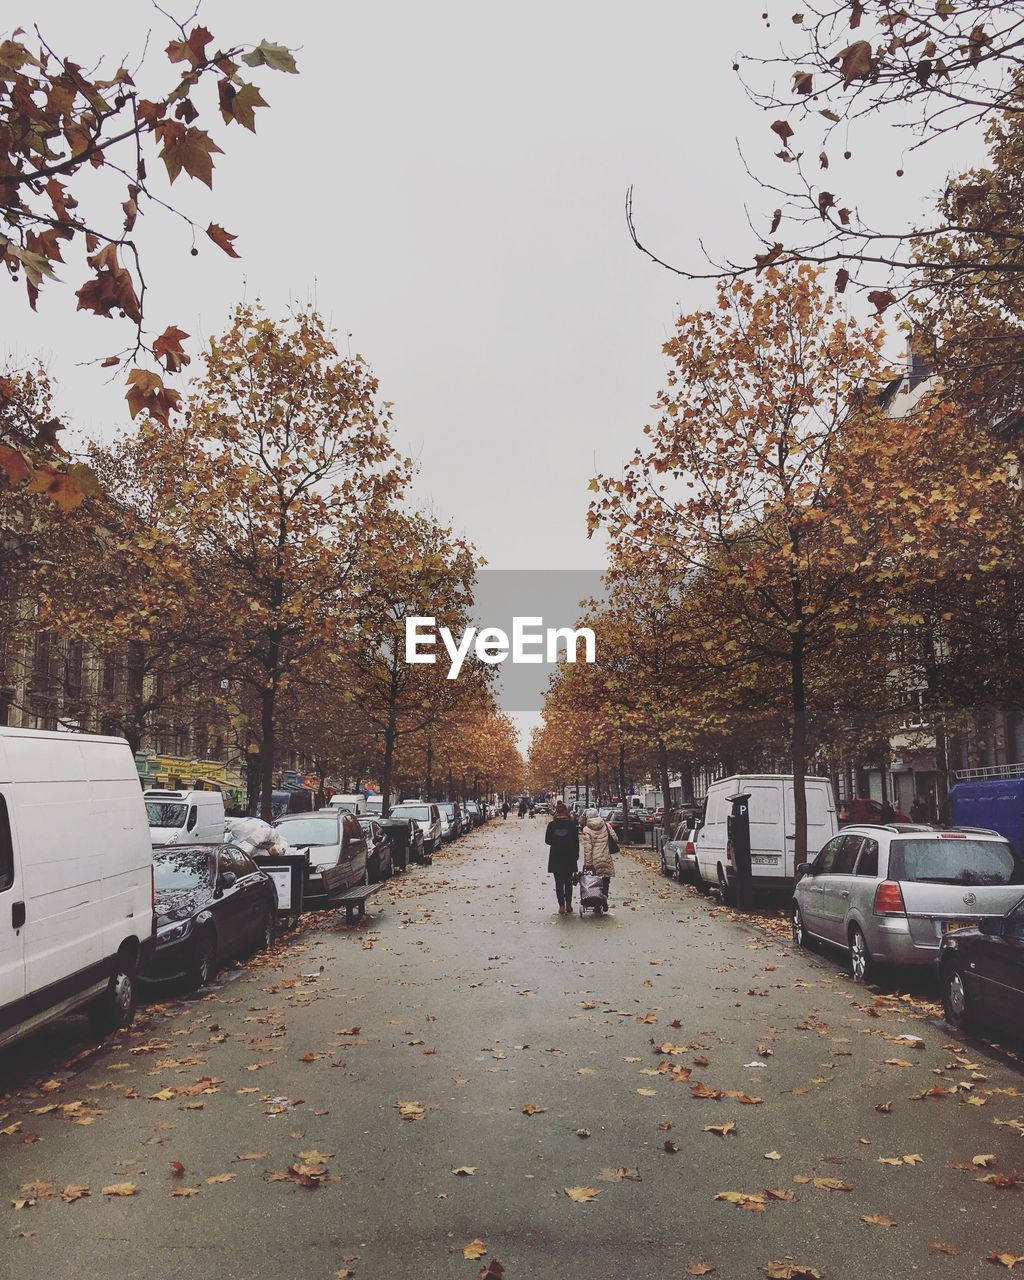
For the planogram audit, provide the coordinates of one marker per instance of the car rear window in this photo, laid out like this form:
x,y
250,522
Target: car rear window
x,y
418,811
940,860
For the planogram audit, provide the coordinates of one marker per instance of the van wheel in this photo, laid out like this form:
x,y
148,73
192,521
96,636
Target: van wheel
x,y
116,1006
699,883
727,891
861,964
203,968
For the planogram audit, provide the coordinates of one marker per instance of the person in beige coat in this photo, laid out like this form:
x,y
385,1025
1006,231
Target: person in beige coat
x,y
595,845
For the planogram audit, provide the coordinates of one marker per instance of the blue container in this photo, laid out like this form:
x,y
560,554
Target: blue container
x,y
997,803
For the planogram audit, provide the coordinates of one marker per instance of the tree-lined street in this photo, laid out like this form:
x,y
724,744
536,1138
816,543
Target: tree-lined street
x,y
367,1100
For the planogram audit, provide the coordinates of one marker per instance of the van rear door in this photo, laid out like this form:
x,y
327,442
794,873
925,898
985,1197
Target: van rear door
x,y
12,919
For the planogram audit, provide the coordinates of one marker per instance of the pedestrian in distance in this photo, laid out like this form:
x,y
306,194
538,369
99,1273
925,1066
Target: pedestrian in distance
x,y
596,843
523,808
563,842
504,810
918,810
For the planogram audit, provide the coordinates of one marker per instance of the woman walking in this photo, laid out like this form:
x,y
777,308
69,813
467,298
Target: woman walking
x,y
597,851
564,842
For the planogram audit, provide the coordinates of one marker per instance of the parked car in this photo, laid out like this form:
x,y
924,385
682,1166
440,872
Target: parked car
x,y
451,819
476,813
997,803
981,973
772,833
637,827
332,841
354,803
184,817
428,815
378,850
890,894
212,902
863,809
76,877
679,855
375,805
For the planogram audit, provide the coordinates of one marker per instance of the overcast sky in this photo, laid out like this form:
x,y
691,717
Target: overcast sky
x,y
446,181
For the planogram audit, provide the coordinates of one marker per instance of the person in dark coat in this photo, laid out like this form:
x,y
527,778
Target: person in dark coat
x,y
563,840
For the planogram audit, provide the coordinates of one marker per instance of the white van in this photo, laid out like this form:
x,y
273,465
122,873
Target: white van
x,y
772,829
353,803
185,817
76,880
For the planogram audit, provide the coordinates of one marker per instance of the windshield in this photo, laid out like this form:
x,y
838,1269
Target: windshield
x,y
420,811
166,813
945,861
185,869
447,809
302,833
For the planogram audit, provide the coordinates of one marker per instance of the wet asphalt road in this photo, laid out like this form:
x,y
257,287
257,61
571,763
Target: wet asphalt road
x,y
468,999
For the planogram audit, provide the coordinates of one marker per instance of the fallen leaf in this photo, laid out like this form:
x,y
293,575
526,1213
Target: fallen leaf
x,y
723,1130
70,1194
647,1093
252,1155
780,1193
1004,1181
411,1110
475,1249
670,1147
755,1201
621,1174
950,1250
493,1271
789,1271
120,1189
531,1110
220,1177
184,1193
983,1162
465,1170
832,1184
1008,1260
773,1155
177,1169
700,1269
581,1195
877,1220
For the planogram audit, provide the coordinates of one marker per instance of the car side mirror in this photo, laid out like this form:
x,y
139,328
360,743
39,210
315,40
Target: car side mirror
x,y
805,869
991,925
226,880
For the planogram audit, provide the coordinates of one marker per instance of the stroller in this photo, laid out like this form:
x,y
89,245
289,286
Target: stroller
x,y
592,894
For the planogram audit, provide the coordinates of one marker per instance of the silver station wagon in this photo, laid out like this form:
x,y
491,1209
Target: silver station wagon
x,y
889,894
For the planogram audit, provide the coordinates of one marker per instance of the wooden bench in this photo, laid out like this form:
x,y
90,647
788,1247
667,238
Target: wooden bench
x,y
353,900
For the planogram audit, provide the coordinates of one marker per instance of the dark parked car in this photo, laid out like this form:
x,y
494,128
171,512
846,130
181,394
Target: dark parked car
x,y
212,901
637,826
981,972
379,860
406,836
475,813
334,845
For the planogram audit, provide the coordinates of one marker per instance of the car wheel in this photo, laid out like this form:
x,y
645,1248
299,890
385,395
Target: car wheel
x,y
699,883
800,936
957,1004
664,865
268,930
203,967
861,965
115,1008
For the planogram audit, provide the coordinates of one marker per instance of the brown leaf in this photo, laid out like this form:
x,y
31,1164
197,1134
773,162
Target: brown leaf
x,y
184,1193
220,1177
832,1184
531,1110
475,1249
787,1270
581,1195
877,1220
723,1130
950,1250
1008,1260
70,1194
783,129
493,1271
120,1189
223,239
700,1269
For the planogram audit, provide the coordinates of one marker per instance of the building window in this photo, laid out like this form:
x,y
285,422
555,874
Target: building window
x,y
916,717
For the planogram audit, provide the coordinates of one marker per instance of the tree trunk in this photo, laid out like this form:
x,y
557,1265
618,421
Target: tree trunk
x,y
798,742
666,801
586,788
597,783
267,707
623,798
430,771
686,778
389,764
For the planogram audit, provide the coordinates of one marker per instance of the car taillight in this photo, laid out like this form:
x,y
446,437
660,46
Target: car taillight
x,y
889,899
690,850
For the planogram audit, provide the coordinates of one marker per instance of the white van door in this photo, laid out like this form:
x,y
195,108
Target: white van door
x,y
12,917
767,844
821,820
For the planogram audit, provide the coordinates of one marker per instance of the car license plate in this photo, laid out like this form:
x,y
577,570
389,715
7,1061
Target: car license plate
x,y
764,860
951,926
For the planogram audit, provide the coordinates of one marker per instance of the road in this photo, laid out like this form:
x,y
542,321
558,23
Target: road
x,y
524,1047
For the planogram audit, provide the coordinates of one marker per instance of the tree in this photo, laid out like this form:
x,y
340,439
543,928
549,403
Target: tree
x,y
280,475
62,132
776,478
930,67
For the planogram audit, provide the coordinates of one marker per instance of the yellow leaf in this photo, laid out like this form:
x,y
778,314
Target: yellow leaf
x,y
475,1249
581,1195
120,1189
220,1177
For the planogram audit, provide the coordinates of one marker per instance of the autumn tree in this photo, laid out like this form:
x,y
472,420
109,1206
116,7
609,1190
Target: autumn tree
x,y
79,157
280,472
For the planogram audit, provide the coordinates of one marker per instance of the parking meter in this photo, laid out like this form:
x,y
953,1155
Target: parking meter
x,y
738,827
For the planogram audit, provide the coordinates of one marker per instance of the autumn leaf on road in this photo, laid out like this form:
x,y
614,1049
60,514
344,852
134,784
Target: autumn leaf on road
x,y
411,1110
877,1220
70,1194
465,1170
983,1162
531,1110
120,1189
581,1195
950,1250
621,1174
832,1184
701,1269
184,1193
220,1177
493,1271
1008,1260
177,1169
773,1155
753,1200
1004,1181
789,1271
723,1130
475,1249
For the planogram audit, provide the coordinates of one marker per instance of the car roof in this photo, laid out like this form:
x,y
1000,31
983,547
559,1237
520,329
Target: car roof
x,y
321,815
920,828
